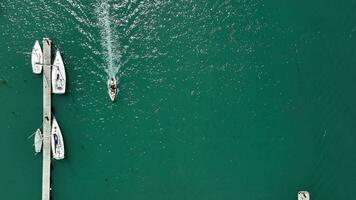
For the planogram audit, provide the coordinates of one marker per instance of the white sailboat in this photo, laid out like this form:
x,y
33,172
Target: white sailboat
x,y
58,75
38,141
36,58
57,142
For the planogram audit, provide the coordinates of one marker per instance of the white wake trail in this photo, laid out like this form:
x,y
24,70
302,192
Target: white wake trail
x,y
108,39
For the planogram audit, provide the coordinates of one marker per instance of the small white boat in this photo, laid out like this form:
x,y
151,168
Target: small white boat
x,y
58,75
112,89
36,58
38,141
57,142
303,195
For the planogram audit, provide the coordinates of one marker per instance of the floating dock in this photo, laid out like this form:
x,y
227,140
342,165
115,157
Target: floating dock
x,y
46,168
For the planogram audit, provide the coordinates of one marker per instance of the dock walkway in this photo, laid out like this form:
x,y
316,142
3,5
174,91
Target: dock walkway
x,y
46,169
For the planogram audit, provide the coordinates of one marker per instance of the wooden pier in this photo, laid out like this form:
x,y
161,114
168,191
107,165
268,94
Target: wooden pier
x,y
46,169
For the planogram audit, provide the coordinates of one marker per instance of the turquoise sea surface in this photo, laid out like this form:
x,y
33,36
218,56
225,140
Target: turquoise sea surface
x,y
219,99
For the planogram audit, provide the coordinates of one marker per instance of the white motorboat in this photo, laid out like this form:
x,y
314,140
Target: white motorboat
x,y
58,75
112,89
57,142
38,141
36,58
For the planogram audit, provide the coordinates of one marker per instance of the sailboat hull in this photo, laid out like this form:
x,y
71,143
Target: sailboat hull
x,y
58,75
36,58
38,141
57,142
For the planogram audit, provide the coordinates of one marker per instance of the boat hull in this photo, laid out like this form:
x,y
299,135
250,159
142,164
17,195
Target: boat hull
x,y
57,142
38,141
58,75
36,58
112,89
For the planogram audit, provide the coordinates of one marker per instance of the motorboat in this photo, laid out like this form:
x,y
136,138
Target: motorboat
x,y
58,75
112,88
36,58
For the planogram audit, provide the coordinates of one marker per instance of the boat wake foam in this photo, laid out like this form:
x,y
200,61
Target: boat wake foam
x,y
108,39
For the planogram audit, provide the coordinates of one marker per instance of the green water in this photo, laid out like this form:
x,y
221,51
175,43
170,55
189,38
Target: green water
x,y
218,99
